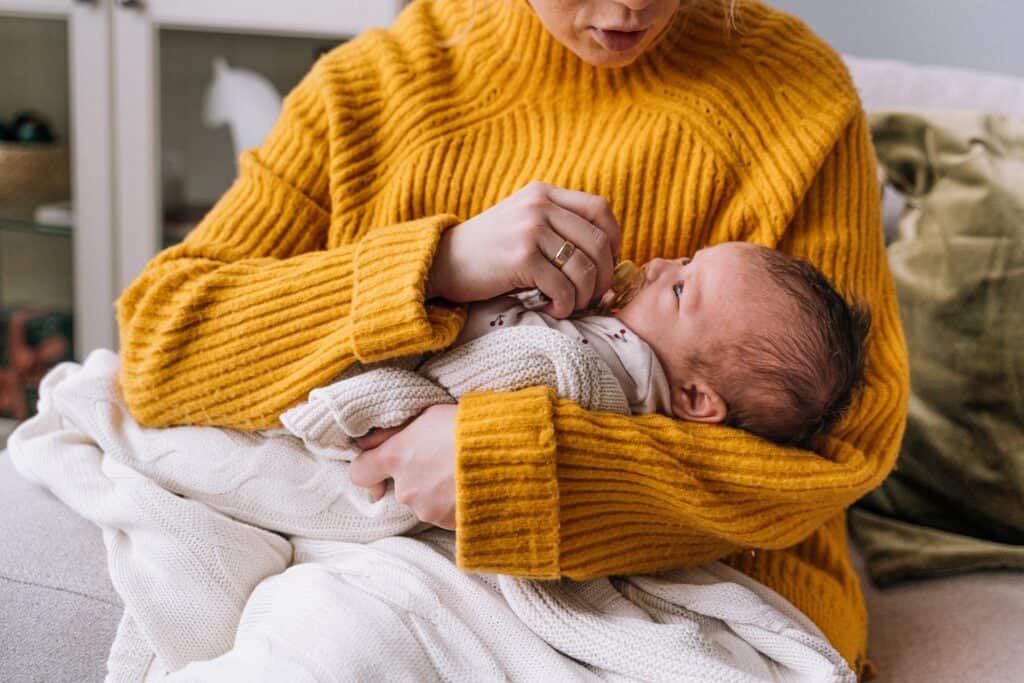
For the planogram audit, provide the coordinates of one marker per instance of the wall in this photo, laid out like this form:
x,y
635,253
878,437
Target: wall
x,y
981,34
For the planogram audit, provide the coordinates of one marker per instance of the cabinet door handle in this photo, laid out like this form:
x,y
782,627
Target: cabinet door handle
x,y
130,4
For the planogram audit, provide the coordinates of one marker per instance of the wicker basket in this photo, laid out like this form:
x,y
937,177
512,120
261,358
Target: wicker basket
x,y
33,174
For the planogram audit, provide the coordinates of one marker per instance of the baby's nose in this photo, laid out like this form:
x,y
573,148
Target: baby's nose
x,y
661,263
657,265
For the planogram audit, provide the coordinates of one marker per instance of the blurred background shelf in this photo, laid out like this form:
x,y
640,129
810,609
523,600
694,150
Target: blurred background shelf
x,y
180,221
123,86
26,226
104,106
177,224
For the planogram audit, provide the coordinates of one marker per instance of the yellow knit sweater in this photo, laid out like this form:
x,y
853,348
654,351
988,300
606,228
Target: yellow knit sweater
x,y
318,254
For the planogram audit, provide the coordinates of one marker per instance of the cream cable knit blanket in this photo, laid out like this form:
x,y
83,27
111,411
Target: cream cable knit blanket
x,y
242,556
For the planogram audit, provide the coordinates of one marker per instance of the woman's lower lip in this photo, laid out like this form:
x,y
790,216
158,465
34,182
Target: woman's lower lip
x,y
619,41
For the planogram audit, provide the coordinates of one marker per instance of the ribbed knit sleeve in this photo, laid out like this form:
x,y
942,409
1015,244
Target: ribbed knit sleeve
x,y
241,320
647,493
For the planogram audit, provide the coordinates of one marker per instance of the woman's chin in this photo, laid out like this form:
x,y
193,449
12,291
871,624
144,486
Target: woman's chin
x,y
595,54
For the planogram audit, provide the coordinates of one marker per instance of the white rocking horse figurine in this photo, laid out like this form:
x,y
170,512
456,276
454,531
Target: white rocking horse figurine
x,y
243,99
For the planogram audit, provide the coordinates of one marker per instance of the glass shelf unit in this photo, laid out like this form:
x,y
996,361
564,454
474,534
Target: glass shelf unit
x,y
11,225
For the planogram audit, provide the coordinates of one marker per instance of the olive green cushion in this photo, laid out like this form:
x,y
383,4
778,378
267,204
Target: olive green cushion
x,y
955,501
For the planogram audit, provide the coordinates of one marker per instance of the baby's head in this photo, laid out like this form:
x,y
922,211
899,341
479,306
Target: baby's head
x,y
752,338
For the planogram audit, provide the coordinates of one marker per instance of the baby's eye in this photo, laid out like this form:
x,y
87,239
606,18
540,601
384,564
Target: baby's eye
x,y
678,289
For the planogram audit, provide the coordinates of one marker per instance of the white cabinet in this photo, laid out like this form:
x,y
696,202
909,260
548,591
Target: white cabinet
x,y
87,28
136,71
137,92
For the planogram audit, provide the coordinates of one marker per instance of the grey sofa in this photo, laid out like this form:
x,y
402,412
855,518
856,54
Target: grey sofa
x,y
59,613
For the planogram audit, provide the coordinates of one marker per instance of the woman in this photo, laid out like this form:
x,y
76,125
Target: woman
x,y
395,188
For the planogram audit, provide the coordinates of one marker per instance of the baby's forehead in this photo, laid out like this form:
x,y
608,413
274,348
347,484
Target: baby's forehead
x,y
754,289
735,247
728,254
736,262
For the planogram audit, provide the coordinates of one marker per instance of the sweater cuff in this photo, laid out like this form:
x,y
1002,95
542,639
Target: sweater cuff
x,y
506,484
388,315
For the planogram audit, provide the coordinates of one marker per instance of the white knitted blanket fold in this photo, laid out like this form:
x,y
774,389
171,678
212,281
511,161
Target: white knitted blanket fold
x,y
243,556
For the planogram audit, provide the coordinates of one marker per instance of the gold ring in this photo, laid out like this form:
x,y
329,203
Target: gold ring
x,y
564,252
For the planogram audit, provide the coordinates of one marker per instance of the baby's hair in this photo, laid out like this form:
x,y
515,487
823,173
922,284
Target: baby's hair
x,y
792,386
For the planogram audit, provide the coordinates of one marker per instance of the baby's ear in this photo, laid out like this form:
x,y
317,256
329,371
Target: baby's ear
x,y
697,401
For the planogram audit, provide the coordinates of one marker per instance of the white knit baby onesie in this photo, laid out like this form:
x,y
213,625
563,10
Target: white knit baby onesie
x,y
596,361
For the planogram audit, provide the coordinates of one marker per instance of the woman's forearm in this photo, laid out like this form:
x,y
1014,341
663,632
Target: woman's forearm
x,y
214,341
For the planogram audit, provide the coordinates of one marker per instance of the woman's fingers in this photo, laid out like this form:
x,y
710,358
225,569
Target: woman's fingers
x,y
590,267
579,269
377,491
376,437
556,285
591,207
372,469
421,463
369,469
498,250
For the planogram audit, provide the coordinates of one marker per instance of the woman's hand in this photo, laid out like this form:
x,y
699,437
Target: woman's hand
x,y
420,457
510,247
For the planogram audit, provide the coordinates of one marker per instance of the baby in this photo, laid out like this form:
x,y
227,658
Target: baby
x,y
739,335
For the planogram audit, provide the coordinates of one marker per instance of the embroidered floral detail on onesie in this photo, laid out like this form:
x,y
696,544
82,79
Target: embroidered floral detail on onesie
x,y
620,335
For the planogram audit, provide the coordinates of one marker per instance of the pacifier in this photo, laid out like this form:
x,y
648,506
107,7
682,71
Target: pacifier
x,y
627,280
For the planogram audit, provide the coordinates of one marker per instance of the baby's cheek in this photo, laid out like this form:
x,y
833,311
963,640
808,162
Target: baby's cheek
x,y
643,305
628,313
